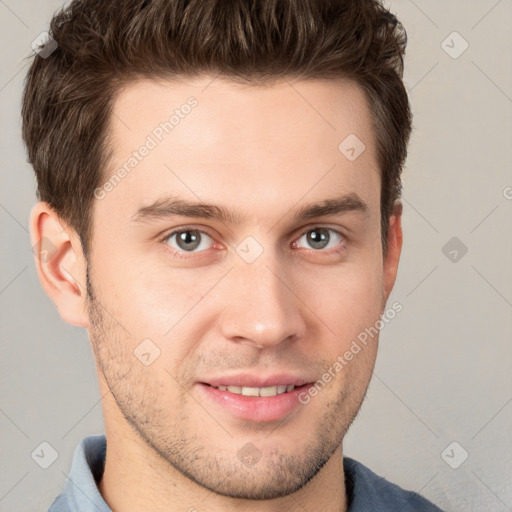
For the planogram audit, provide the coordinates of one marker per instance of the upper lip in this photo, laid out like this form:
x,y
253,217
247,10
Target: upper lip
x,y
258,381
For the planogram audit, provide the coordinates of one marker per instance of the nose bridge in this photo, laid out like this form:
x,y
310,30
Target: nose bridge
x,y
260,307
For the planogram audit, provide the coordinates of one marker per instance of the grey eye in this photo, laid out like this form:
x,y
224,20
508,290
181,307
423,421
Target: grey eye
x,y
320,238
188,240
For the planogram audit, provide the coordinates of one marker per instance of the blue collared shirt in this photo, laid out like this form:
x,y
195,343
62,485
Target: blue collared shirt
x,y
366,491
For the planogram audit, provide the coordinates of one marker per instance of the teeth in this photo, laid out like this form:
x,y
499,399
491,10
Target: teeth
x,y
268,391
250,391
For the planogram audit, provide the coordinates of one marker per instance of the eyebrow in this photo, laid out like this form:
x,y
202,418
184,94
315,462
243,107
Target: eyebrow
x,y
167,207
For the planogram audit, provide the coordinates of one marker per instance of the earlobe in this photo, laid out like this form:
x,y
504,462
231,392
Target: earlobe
x,y
394,249
60,263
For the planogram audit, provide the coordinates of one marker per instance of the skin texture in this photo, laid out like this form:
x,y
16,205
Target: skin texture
x,y
262,152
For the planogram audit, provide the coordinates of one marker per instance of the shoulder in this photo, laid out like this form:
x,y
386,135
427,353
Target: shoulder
x,y
368,491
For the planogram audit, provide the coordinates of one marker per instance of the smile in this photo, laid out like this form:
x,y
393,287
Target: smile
x,y
251,391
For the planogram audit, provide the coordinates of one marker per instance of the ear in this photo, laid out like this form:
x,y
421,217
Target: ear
x,y
60,263
394,248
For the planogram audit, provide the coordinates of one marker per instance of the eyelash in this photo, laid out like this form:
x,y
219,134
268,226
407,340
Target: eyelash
x,y
189,255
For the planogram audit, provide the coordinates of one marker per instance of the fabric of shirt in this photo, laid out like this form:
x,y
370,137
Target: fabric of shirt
x,y
366,491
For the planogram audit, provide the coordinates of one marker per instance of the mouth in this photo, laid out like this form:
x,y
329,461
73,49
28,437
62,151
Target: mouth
x,y
255,404
278,389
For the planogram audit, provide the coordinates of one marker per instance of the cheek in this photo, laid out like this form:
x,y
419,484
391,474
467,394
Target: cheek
x,y
168,306
147,293
347,301
170,299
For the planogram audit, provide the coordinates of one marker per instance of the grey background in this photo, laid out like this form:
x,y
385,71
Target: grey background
x,y
443,371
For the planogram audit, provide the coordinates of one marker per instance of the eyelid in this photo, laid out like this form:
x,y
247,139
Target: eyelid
x,y
180,229
312,227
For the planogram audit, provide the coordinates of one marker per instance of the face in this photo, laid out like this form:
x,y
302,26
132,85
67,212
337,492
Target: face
x,y
260,291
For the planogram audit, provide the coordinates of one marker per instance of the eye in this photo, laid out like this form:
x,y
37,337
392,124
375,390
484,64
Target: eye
x,y
320,238
188,240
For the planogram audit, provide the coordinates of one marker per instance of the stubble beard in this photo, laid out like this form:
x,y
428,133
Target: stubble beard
x,y
275,475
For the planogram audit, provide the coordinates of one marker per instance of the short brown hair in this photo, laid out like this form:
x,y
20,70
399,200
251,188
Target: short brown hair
x,y
102,45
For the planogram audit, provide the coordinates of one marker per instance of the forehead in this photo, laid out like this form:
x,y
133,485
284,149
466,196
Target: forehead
x,y
287,109
250,146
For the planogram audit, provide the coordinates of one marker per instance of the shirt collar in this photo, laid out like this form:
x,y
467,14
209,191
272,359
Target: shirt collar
x,y
81,488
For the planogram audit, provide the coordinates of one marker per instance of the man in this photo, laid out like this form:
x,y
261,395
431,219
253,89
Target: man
x,y
219,188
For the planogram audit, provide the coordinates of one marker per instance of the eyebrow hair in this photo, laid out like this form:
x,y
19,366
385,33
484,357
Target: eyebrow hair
x,y
169,206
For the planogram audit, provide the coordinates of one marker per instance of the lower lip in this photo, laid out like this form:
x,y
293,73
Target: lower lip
x,y
255,408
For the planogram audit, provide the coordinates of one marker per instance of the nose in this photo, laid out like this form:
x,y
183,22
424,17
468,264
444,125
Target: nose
x,y
262,308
